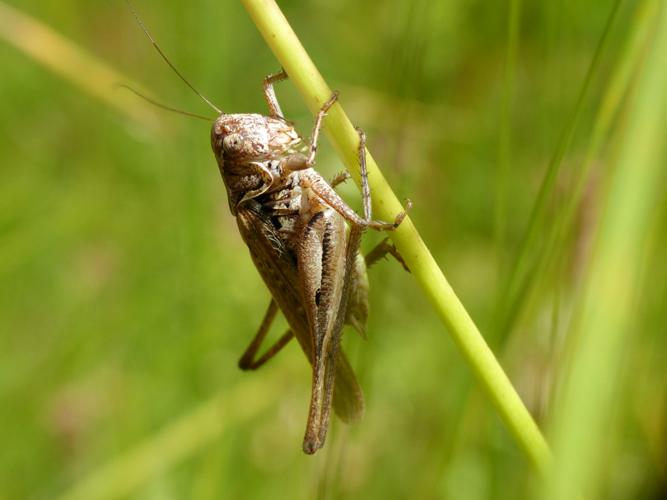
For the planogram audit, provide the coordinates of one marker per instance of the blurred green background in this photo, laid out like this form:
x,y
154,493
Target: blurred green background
x,y
127,295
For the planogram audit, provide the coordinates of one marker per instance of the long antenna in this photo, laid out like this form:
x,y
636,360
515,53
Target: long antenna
x,y
166,59
164,106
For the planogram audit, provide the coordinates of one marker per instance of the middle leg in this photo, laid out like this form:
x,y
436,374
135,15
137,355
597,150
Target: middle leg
x,y
381,250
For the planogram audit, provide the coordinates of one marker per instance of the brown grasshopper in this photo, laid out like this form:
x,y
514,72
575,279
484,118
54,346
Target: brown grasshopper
x,y
304,240
294,225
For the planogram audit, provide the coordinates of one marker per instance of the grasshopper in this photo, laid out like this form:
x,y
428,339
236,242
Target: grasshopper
x,y
294,224
305,242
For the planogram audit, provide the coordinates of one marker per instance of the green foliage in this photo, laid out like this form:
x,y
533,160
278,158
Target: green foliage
x,y
126,294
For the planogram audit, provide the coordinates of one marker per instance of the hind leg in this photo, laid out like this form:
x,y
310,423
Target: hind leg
x,y
248,361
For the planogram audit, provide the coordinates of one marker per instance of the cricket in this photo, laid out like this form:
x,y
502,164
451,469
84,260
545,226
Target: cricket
x,y
304,240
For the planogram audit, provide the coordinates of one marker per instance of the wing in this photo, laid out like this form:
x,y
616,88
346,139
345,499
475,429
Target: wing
x,y
321,265
279,269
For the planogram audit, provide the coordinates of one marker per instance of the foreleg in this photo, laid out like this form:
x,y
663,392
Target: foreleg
x,y
270,93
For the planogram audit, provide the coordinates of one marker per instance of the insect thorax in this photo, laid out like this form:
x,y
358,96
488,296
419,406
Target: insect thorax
x,y
275,190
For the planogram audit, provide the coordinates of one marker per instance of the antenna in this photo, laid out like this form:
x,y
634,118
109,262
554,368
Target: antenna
x,y
166,59
164,106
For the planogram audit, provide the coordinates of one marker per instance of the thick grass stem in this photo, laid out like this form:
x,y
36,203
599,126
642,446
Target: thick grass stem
x,y
291,54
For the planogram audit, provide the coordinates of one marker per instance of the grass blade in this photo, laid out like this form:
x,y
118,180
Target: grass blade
x,y
71,62
521,275
601,333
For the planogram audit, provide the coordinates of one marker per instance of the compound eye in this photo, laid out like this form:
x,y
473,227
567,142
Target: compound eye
x,y
233,143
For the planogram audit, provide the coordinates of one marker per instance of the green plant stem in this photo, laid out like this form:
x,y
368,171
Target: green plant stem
x,y
288,50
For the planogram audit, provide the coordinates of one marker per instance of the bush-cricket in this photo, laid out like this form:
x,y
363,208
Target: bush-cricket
x,y
305,242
